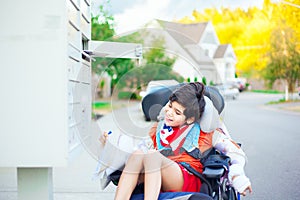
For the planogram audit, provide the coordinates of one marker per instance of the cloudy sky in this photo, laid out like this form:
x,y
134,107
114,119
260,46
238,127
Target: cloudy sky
x,y
133,14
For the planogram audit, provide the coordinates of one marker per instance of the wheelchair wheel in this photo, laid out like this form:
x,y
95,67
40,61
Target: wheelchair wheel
x,y
226,192
231,193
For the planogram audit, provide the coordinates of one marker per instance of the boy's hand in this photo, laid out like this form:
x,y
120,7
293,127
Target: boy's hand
x,y
103,137
242,184
249,188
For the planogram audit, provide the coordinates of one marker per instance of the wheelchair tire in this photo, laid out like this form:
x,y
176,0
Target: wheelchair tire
x,y
226,192
232,194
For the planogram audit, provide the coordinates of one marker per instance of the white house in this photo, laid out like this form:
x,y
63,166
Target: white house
x,y
197,48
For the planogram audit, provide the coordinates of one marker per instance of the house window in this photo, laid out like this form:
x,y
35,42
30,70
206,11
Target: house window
x,y
228,73
206,52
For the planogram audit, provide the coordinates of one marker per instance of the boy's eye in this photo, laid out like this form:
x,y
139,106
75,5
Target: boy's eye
x,y
178,113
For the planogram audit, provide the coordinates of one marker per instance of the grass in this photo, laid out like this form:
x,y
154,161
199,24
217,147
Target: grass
x,y
103,107
99,108
267,91
282,100
100,105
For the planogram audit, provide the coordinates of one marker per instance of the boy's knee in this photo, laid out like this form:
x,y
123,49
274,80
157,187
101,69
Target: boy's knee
x,y
138,152
152,161
134,163
137,155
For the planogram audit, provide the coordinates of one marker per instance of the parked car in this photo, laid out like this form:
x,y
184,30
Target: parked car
x,y
156,99
239,83
228,91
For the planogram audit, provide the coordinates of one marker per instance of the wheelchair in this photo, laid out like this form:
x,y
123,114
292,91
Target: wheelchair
x,y
215,184
214,177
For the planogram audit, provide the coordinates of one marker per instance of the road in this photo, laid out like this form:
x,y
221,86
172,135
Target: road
x,y
270,138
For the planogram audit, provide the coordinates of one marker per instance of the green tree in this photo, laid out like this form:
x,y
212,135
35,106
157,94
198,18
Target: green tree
x,y
103,30
102,25
283,58
158,65
118,68
125,73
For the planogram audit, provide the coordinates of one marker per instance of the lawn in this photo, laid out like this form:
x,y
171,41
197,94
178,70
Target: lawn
x,y
100,105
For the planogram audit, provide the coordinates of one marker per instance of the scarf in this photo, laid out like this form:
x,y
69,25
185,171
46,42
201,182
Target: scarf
x,y
175,139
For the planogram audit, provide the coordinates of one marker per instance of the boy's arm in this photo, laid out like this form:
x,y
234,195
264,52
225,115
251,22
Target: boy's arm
x,y
236,175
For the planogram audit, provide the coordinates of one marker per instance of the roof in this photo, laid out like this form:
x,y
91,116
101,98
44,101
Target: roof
x,y
225,50
188,37
220,52
185,34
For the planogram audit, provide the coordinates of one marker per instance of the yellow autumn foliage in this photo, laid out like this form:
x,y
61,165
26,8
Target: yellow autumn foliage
x,y
249,31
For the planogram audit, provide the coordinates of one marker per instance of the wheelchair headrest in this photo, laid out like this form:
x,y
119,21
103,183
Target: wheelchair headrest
x,y
217,99
210,119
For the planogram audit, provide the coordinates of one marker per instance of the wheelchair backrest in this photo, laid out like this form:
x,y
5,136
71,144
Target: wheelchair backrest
x,y
153,103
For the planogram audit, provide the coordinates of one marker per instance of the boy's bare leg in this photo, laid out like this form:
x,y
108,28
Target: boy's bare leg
x,y
130,175
161,170
152,166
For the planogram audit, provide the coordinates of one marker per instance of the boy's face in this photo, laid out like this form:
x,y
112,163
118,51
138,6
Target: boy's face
x,y
174,114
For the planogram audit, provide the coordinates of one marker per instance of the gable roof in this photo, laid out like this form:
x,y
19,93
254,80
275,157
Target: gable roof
x,y
188,36
224,49
220,52
185,34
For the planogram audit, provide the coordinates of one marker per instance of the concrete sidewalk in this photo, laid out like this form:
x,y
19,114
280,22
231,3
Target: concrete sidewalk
x,y
73,182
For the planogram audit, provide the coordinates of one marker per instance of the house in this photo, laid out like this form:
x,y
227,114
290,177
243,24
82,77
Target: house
x,y
197,48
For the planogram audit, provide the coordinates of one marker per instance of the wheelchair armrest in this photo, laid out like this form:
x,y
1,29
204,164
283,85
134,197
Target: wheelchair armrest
x,y
115,177
214,173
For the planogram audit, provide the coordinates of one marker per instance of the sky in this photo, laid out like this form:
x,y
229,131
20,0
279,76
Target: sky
x,y
130,15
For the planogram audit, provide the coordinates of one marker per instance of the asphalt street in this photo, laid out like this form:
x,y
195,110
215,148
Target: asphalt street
x,y
270,137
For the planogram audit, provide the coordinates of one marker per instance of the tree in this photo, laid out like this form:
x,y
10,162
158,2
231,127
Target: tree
x,y
158,64
103,30
283,57
102,25
125,73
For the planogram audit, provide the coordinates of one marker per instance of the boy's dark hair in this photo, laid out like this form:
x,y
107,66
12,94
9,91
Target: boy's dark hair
x,y
190,96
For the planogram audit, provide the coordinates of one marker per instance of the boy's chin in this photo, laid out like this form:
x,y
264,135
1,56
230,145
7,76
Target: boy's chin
x,y
170,123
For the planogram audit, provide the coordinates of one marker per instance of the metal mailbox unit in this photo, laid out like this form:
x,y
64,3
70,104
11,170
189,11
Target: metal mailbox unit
x,y
45,88
46,54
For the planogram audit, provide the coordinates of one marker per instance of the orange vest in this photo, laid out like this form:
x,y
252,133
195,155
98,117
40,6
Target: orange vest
x,y
205,143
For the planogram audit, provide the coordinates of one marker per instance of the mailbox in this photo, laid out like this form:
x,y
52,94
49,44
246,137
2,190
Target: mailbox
x,y
45,86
